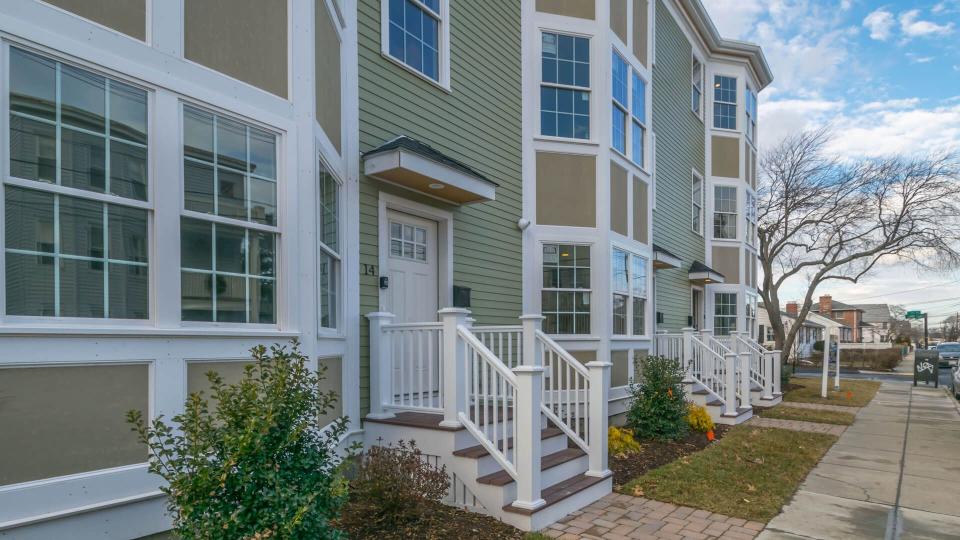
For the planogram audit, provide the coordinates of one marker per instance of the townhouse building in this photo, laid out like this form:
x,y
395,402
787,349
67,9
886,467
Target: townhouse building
x,y
851,316
179,185
480,217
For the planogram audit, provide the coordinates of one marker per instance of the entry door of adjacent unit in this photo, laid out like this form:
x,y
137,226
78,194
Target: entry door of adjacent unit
x,y
697,308
412,291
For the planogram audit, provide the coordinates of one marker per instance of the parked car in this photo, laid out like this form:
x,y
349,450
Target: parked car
x,y
949,353
955,383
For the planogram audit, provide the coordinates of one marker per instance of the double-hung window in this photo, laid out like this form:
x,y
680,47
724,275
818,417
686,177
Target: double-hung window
x,y
329,248
696,87
724,102
751,315
414,28
725,313
696,203
228,230
751,109
76,198
565,86
620,72
565,298
751,218
725,212
638,109
629,286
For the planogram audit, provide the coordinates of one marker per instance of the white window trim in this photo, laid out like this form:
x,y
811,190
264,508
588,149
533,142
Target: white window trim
x,y
629,333
338,330
623,107
750,127
736,307
736,214
443,43
542,287
697,207
592,139
694,60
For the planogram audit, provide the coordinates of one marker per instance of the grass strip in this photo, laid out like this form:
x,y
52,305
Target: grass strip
x,y
786,412
851,394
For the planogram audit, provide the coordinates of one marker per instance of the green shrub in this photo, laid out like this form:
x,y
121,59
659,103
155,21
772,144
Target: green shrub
x,y
818,346
258,466
389,490
786,371
657,407
698,418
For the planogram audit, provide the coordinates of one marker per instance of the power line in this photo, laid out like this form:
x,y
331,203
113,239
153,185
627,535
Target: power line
x,y
908,290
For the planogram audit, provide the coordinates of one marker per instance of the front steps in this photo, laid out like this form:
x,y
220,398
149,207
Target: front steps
x,y
565,486
718,411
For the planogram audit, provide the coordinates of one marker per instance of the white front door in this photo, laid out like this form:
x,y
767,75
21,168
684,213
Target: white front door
x,y
413,286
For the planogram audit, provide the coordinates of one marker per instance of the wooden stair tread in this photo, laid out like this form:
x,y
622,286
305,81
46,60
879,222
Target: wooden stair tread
x,y
502,478
559,492
423,420
478,451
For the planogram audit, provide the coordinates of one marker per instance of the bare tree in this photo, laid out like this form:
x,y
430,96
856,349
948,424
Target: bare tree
x,y
827,219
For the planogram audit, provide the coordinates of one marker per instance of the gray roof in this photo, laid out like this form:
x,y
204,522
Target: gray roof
x,y
875,313
835,305
408,143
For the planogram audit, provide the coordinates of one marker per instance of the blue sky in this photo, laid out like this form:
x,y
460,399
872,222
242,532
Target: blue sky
x,y
886,75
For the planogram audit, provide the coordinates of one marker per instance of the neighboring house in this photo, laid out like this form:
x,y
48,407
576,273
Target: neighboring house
x,y
851,316
810,332
878,317
479,216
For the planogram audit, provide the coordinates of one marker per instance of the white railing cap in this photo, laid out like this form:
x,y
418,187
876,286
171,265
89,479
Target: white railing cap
x,y
532,317
380,315
457,310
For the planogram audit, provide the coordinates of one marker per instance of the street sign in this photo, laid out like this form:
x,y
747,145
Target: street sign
x,y
914,314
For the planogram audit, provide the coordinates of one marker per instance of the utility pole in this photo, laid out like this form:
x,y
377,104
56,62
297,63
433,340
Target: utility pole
x,y
926,334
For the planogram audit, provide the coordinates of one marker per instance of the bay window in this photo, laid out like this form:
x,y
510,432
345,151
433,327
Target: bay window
x,y
725,212
629,285
565,297
724,102
229,222
751,109
76,205
751,218
725,313
639,117
565,86
751,315
329,235
619,110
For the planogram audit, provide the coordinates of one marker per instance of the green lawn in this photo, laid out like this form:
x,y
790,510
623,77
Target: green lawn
x,y
860,392
786,412
750,473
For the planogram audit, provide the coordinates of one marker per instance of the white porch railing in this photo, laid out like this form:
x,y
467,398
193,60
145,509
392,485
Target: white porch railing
x,y
736,374
490,380
669,345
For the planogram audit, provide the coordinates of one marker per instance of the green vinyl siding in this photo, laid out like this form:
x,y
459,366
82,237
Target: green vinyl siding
x,y
680,150
477,122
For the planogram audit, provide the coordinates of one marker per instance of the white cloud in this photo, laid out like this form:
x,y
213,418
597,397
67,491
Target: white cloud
x,y
912,27
917,59
880,23
893,131
735,18
778,119
890,104
803,63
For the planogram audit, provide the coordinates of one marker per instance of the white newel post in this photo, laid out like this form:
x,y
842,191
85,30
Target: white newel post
x,y
381,364
777,373
598,415
454,368
730,383
745,382
527,417
769,372
686,355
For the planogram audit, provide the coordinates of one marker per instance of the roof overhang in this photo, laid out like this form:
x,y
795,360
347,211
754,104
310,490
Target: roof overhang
x,y
664,259
701,274
412,170
728,47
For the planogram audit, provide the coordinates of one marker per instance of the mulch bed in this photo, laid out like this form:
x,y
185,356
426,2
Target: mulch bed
x,y
441,522
655,454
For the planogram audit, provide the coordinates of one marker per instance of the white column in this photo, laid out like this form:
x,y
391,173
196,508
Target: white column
x,y
686,355
836,379
745,382
826,363
526,415
770,373
598,417
381,364
454,368
730,383
777,372
530,354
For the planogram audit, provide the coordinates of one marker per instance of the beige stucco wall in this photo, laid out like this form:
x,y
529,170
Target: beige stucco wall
x,y
618,18
566,190
69,419
246,39
726,260
333,380
619,199
127,16
641,224
753,169
640,24
583,9
726,156
327,78
620,372
750,268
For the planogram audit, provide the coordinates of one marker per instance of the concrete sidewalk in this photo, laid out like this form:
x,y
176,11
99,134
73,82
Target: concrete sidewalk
x,y
893,474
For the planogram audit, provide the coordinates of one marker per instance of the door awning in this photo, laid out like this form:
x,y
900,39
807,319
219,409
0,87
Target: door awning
x,y
663,259
702,274
418,166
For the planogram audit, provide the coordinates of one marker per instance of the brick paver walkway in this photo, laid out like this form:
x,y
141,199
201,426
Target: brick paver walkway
x,y
621,517
797,425
821,407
